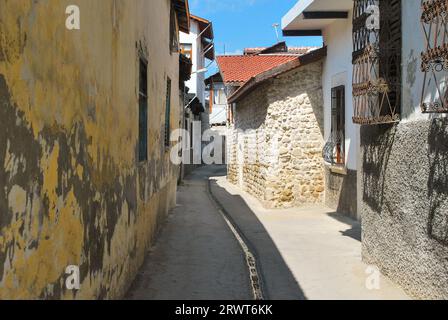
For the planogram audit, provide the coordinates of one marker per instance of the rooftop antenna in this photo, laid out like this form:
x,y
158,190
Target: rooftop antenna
x,y
275,26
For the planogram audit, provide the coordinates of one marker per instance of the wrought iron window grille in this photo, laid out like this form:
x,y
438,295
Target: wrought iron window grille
x,y
377,63
334,150
435,57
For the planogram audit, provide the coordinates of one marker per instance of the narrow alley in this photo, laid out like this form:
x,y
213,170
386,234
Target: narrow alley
x,y
242,151
196,256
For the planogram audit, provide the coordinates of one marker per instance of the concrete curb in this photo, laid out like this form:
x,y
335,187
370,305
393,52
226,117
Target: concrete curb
x,y
255,272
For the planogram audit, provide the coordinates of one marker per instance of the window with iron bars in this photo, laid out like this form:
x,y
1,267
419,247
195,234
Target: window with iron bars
x,y
168,113
376,61
143,111
338,123
334,150
435,57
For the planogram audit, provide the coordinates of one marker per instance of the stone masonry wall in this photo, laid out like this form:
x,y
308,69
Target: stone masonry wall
x,y
279,131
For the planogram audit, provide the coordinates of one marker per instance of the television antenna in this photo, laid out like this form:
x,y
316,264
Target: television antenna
x,y
275,26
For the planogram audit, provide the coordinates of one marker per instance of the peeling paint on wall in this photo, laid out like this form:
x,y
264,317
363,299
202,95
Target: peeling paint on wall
x,y
71,190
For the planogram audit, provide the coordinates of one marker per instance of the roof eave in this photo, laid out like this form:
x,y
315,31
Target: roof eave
x,y
210,55
295,12
183,15
206,24
209,48
310,17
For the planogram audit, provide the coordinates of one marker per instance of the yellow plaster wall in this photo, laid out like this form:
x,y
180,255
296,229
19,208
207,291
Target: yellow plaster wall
x,y
71,189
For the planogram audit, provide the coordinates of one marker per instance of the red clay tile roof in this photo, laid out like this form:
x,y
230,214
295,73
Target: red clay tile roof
x,y
239,69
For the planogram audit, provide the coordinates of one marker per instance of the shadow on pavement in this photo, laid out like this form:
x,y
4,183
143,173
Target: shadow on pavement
x,y
354,231
278,280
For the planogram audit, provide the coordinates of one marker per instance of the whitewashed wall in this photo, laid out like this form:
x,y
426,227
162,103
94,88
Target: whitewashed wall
x,y
338,71
196,83
219,112
413,46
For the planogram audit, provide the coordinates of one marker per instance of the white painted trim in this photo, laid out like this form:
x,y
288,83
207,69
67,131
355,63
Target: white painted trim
x,y
296,11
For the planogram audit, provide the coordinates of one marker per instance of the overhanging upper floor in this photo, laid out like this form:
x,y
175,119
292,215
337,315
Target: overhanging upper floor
x,y
310,17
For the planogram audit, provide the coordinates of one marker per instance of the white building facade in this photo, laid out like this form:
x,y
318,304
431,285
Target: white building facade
x,y
400,105
198,46
217,97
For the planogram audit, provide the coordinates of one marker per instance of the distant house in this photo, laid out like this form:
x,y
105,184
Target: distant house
x,y
276,125
236,70
217,97
198,46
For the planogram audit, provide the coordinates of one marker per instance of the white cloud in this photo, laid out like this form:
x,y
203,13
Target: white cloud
x,y
234,53
211,6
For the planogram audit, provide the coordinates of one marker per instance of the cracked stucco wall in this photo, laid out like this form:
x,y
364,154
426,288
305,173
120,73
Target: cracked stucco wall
x,y
71,189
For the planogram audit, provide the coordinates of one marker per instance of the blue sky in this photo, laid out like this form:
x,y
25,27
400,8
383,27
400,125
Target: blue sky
x,y
239,24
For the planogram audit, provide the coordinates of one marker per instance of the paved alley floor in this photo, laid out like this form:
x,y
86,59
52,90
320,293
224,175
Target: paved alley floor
x,y
302,253
196,256
320,248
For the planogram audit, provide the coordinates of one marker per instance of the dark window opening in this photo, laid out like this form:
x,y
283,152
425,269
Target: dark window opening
x,y
185,134
338,124
168,113
191,135
187,50
143,111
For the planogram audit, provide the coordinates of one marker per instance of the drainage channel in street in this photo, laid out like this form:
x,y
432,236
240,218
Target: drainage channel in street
x,y
251,261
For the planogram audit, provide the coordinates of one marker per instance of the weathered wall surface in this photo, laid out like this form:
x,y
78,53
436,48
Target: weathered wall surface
x,y
338,71
281,135
405,204
405,182
71,190
341,183
341,191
